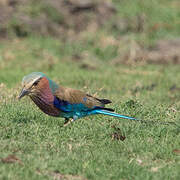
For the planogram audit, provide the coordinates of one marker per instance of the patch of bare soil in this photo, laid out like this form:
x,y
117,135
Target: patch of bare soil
x,y
176,151
11,159
163,52
117,134
58,176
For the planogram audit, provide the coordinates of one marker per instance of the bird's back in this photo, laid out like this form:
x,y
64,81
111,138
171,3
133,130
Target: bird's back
x,y
74,96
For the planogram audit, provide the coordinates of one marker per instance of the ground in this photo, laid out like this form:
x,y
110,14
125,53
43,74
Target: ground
x,y
36,146
133,61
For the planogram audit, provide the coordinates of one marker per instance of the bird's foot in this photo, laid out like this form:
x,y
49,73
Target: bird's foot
x,y
67,123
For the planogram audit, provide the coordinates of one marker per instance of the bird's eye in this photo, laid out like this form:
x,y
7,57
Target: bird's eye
x,y
35,83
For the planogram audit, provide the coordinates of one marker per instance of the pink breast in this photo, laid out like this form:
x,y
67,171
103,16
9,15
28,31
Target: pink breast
x,y
44,98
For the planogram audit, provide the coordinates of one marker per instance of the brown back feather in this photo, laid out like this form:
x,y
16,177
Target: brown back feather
x,y
76,97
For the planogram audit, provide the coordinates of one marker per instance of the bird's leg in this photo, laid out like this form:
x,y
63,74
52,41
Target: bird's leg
x,y
66,122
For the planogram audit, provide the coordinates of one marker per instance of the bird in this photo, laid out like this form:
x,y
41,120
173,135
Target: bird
x,y
58,101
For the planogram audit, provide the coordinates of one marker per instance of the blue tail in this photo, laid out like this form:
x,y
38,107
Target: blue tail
x,y
109,113
105,112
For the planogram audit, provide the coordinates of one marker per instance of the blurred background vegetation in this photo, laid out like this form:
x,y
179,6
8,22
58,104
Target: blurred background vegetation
x,y
117,31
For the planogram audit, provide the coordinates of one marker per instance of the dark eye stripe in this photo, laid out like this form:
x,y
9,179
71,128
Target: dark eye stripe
x,y
35,83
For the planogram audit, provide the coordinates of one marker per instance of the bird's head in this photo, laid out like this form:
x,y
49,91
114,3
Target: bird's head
x,y
30,84
33,83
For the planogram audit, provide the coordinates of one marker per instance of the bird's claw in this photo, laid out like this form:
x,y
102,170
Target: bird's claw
x,y
67,123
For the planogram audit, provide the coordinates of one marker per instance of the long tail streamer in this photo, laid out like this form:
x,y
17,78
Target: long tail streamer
x,y
115,114
99,111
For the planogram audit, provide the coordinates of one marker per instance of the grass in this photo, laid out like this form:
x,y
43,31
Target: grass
x,y
161,19
85,149
36,146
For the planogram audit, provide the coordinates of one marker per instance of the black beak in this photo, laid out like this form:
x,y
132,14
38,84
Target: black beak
x,y
23,93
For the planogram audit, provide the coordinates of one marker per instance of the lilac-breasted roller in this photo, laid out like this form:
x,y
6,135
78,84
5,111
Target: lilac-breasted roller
x,y
59,101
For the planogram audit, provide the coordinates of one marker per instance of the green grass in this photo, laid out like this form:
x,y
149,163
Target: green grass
x,y
86,148
161,19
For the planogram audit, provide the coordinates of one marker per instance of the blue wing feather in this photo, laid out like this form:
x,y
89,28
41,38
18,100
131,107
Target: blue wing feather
x,y
68,107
